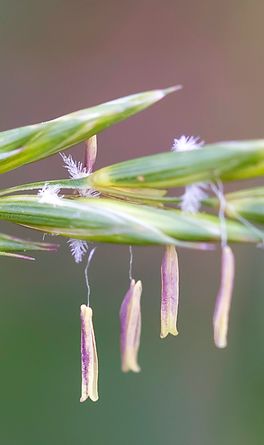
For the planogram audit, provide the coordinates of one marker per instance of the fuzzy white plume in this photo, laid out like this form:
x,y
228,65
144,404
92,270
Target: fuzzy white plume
x,y
78,249
49,194
186,143
75,169
194,193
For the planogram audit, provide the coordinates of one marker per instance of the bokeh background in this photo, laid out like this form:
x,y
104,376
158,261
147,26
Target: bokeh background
x,y
58,56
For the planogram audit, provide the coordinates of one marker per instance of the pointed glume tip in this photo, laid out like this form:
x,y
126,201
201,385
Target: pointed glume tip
x,y
172,89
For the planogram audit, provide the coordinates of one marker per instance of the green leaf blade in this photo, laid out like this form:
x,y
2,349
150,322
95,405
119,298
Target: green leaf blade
x,y
228,161
31,143
248,203
112,221
10,245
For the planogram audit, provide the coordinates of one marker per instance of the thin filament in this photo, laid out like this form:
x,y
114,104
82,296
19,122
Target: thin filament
x,y
248,224
218,189
90,256
130,263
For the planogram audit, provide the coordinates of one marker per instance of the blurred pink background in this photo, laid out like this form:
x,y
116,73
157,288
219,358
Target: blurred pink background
x,y
59,56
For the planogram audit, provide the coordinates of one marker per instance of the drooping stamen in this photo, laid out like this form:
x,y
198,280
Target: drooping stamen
x,y
89,360
169,292
224,297
130,320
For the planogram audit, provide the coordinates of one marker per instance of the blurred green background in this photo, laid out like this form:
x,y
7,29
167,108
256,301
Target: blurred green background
x,y
58,56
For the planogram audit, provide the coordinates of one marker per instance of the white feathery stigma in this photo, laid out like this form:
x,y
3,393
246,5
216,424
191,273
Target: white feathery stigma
x,y
192,197
78,249
49,194
194,193
75,169
186,143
